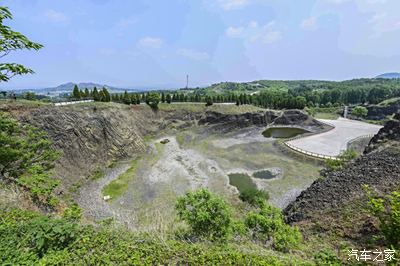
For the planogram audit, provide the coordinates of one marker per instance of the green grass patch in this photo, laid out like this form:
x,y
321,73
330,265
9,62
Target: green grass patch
x,y
99,173
329,116
119,186
241,181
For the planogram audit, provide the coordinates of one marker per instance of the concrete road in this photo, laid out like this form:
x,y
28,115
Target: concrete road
x,y
333,142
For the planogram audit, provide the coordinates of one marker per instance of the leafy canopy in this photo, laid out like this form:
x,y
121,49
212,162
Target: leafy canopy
x,y
12,41
207,215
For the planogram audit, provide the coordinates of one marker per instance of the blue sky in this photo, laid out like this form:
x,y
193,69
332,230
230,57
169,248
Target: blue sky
x,y
156,43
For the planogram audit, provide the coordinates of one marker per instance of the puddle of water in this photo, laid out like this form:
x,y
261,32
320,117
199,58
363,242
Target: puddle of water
x,y
265,174
241,181
283,132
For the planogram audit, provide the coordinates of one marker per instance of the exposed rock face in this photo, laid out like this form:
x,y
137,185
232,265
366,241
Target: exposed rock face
x,y
88,137
379,169
239,120
299,118
390,132
225,123
376,112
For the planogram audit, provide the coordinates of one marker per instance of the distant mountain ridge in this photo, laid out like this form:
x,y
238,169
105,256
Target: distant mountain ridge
x,y
82,85
393,75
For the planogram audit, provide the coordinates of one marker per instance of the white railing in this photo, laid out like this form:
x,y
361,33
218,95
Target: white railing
x,y
73,102
369,136
308,153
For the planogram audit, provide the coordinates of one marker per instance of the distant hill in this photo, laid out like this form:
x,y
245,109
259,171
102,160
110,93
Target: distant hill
x,y
394,75
70,86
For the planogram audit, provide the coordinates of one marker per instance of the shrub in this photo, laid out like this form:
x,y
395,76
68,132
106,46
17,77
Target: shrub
x,y
206,214
387,210
73,213
267,224
326,257
360,111
264,222
345,156
254,196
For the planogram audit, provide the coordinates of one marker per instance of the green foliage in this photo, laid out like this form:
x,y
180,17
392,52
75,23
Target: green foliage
x,y
39,182
267,223
31,239
254,196
334,165
326,257
387,210
30,96
359,111
26,157
73,213
12,41
153,99
206,214
76,94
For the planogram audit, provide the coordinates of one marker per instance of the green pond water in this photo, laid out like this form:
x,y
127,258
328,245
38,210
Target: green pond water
x,y
241,181
283,132
264,174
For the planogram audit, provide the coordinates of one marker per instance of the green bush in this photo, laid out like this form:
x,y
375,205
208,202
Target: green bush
x,y
268,224
387,210
206,214
359,111
326,257
254,196
29,238
345,156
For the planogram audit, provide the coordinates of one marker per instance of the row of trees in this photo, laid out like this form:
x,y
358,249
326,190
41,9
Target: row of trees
x,y
358,95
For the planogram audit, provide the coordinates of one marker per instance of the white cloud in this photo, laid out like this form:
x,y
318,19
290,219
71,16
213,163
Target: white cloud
x,y
309,23
193,54
150,42
126,22
272,36
234,32
233,4
253,32
56,16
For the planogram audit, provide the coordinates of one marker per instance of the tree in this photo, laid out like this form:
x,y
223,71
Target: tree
x,y
76,94
106,94
87,94
209,101
206,214
31,96
96,96
168,98
163,97
359,111
153,100
12,41
126,98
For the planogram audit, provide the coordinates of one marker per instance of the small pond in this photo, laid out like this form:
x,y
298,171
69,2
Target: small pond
x,y
265,174
283,132
241,181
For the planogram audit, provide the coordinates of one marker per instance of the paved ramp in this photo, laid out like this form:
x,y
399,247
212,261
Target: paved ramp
x,y
333,142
